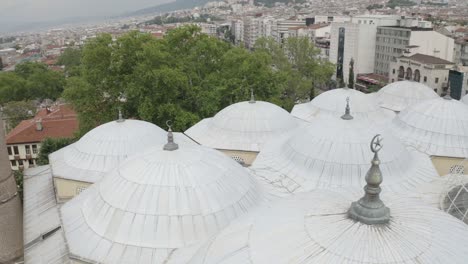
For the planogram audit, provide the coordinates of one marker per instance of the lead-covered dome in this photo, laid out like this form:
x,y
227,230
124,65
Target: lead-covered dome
x,y
437,127
333,153
399,95
156,202
315,228
332,103
104,148
243,126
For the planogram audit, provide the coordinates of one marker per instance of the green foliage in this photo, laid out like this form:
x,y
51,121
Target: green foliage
x,y
19,178
71,59
50,145
187,76
17,111
30,81
1,64
401,3
351,78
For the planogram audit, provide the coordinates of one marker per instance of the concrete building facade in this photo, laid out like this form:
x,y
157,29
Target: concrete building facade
x,y
395,41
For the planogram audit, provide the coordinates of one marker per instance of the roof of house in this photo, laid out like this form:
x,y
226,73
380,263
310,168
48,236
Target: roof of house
x,y
427,59
59,122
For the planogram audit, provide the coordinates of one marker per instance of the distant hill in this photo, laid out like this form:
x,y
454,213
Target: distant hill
x,y
172,6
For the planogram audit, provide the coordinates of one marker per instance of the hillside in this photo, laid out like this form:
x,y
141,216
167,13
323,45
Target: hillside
x,y
176,5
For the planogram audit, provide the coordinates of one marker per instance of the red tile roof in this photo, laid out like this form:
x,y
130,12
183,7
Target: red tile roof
x,y
59,122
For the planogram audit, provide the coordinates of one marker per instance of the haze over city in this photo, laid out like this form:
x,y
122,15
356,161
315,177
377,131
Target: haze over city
x,y
14,13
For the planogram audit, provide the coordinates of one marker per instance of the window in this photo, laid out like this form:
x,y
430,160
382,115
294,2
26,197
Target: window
x,y
436,80
401,72
28,150
13,163
34,149
20,162
435,90
457,169
409,74
15,150
417,75
9,151
31,162
425,78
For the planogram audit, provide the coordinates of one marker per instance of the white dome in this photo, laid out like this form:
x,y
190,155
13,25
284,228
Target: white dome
x,y
465,99
104,148
399,95
333,153
436,127
155,202
333,103
314,228
243,126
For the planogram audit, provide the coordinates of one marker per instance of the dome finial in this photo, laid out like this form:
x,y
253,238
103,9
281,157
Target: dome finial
x,y
170,145
121,119
370,210
448,96
252,97
347,115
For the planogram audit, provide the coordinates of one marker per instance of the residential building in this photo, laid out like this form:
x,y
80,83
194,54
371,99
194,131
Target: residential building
x,y
237,29
409,38
460,55
319,34
356,40
24,141
281,28
426,69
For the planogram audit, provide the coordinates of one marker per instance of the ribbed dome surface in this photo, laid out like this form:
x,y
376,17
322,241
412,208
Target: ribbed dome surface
x,y
156,202
243,126
399,95
437,127
104,148
314,228
333,153
333,103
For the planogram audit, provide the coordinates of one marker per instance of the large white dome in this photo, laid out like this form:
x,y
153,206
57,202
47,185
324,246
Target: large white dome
x,y
314,228
333,153
332,103
156,202
436,127
243,126
399,95
104,148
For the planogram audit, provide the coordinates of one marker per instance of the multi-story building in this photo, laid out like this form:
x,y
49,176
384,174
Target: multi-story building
x,y
319,34
356,40
280,30
24,141
460,55
257,27
237,29
409,38
426,69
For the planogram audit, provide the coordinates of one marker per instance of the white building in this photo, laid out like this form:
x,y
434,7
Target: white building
x,y
409,37
356,40
280,31
237,29
428,70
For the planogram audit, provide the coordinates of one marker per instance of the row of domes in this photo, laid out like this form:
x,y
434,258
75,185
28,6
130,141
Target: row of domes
x,y
145,206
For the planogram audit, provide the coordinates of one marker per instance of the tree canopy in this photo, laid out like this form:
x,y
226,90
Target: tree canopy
x,y
187,76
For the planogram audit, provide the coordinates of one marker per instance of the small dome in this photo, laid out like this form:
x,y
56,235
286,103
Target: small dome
x,y
465,99
104,148
333,102
399,95
243,126
315,228
155,202
333,153
436,127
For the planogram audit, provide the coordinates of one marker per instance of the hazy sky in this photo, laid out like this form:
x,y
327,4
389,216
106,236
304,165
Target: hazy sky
x,y
47,10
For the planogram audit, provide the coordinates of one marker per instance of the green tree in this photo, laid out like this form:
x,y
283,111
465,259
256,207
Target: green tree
x,y
50,145
351,75
12,87
19,178
71,59
1,64
17,111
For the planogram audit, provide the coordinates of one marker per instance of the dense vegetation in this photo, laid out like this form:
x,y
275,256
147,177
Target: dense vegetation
x,y
187,76
50,145
401,3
